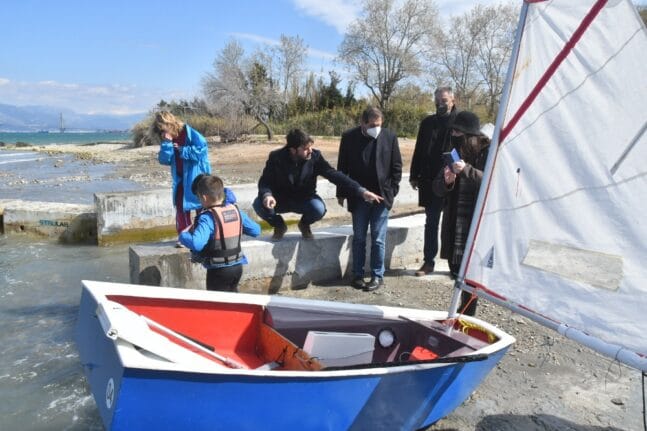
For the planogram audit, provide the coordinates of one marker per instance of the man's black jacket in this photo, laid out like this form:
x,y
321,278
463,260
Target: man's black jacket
x,y
277,179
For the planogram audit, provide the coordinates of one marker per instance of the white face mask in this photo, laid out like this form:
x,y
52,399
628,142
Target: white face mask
x,y
373,132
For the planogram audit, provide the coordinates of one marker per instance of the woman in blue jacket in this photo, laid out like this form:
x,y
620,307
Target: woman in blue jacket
x,y
185,150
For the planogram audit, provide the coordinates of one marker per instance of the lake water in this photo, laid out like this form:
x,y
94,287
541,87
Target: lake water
x,y
64,138
41,381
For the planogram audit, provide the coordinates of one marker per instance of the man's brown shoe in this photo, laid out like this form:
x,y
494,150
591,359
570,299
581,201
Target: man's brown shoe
x,y
425,269
279,232
306,233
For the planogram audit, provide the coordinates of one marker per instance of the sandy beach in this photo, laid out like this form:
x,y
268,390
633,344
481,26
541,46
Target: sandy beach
x,y
545,382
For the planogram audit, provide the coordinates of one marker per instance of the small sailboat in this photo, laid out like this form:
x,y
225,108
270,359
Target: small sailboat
x,y
558,236
164,358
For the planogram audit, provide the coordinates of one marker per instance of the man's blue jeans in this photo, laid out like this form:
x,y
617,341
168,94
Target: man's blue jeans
x,y
432,212
312,209
376,216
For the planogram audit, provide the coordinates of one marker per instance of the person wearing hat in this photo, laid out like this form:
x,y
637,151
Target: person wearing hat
x,y
459,185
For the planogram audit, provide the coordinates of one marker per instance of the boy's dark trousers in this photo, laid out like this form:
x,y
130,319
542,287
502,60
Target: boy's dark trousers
x,y
224,279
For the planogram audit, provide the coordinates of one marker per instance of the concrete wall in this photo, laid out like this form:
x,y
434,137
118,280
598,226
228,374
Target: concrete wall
x,y
139,216
69,223
288,264
150,216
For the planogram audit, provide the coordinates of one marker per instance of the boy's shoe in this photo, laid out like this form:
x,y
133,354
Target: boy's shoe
x,y
306,233
374,284
358,283
179,245
425,269
279,232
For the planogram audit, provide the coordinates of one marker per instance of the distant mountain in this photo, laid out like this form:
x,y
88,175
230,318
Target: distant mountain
x,y
34,118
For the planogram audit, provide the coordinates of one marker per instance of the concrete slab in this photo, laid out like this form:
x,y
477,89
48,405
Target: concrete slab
x,y
291,263
69,223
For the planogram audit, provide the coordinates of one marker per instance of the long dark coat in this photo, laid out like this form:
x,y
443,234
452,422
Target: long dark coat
x,y
432,141
388,161
460,199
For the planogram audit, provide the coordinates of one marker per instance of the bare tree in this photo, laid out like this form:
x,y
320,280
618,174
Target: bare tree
x,y
498,23
291,55
455,53
473,53
241,85
384,46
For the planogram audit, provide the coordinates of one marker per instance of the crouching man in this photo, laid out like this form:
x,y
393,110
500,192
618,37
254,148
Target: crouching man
x,y
289,184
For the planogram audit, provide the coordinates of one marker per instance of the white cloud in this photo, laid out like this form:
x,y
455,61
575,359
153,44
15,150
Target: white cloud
x,y
116,99
336,13
255,38
315,53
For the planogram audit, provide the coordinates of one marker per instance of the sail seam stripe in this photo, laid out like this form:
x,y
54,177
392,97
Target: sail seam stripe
x,y
577,88
550,71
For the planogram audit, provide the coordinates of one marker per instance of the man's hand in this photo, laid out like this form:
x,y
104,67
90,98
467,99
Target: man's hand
x,y
269,202
340,201
414,184
372,197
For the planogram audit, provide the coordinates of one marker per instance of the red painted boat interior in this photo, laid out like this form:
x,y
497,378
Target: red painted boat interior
x,y
230,329
254,335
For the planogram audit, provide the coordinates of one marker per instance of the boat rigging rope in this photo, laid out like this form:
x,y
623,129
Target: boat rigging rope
x,y
644,411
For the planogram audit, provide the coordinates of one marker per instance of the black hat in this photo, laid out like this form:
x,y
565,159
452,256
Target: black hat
x,y
467,122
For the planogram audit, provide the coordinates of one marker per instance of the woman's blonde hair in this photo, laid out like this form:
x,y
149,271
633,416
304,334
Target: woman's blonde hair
x,y
167,122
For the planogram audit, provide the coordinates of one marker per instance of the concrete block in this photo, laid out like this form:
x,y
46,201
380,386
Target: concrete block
x,y
292,263
69,223
134,216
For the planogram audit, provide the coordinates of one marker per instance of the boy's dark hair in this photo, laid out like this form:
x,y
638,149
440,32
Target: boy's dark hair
x,y
296,138
194,184
212,186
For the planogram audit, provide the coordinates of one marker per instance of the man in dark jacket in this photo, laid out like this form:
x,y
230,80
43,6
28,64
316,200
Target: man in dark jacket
x,y
289,184
432,140
371,156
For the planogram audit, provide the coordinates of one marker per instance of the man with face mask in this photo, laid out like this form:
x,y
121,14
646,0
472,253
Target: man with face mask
x,y
459,186
432,141
371,156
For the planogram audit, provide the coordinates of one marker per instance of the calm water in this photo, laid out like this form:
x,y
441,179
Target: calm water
x,y
65,138
41,381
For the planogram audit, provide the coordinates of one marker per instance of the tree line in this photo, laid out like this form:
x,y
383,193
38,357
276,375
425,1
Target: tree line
x,y
395,53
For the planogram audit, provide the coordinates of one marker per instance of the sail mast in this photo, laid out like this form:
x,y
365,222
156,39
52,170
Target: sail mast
x,y
480,202
61,127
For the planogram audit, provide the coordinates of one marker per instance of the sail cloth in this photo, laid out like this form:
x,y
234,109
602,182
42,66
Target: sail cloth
x,y
563,227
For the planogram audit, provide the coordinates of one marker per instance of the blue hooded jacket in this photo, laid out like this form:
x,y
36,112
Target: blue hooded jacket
x,y
194,154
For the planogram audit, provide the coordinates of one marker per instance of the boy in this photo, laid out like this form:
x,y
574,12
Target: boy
x,y
215,235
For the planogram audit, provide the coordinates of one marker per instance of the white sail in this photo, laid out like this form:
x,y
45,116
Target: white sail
x,y
562,232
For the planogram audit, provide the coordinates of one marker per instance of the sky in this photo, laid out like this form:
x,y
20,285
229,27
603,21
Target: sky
x,y
124,56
